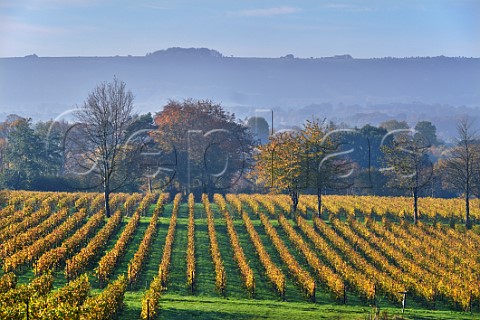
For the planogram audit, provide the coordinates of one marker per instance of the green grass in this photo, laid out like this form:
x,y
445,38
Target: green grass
x,y
175,306
177,279
205,270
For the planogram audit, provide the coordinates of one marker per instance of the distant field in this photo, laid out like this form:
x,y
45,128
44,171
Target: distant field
x,y
235,257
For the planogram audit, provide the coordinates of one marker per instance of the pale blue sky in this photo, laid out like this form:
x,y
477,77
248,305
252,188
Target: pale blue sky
x,y
260,28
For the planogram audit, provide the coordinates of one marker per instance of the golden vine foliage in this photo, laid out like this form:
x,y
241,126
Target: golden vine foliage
x,y
107,304
356,279
274,274
13,301
52,259
7,281
191,242
107,264
220,275
65,303
131,202
32,252
80,261
167,248
151,299
433,260
333,281
238,254
304,279
32,234
135,265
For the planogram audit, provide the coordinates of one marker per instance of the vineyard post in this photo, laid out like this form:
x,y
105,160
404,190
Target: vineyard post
x,y
253,287
191,284
129,276
470,302
148,309
223,283
314,291
404,300
434,299
28,300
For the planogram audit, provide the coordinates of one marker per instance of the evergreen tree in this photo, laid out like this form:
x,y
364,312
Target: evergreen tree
x,y
23,160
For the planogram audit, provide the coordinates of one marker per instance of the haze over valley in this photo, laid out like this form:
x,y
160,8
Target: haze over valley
x,y
340,88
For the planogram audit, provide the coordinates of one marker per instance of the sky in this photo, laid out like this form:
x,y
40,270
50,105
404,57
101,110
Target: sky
x,y
246,28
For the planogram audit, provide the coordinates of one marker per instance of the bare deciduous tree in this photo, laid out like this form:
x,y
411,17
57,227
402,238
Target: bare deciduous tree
x,y
409,164
324,166
104,118
462,164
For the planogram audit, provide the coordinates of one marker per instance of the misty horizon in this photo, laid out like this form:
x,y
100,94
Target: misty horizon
x,y
286,55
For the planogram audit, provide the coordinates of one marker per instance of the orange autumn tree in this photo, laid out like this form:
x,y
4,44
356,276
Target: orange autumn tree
x,y
205,144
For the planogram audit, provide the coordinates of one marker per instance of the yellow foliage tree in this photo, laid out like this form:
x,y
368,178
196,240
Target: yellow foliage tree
x,y
279,164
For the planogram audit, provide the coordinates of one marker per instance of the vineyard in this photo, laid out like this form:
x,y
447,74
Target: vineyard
x,y
162,256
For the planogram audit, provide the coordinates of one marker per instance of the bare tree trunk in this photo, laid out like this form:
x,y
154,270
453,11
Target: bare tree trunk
x,y
319,202
106,193
295,197
415,205
468,223
149,182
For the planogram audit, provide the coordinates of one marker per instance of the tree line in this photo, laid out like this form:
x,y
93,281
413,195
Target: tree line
x,y
195,146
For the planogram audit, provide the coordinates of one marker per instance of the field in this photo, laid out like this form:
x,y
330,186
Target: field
x,y
235,257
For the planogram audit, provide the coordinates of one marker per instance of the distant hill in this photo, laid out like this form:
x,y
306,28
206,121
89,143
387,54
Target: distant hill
x,y
186,52
45,86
